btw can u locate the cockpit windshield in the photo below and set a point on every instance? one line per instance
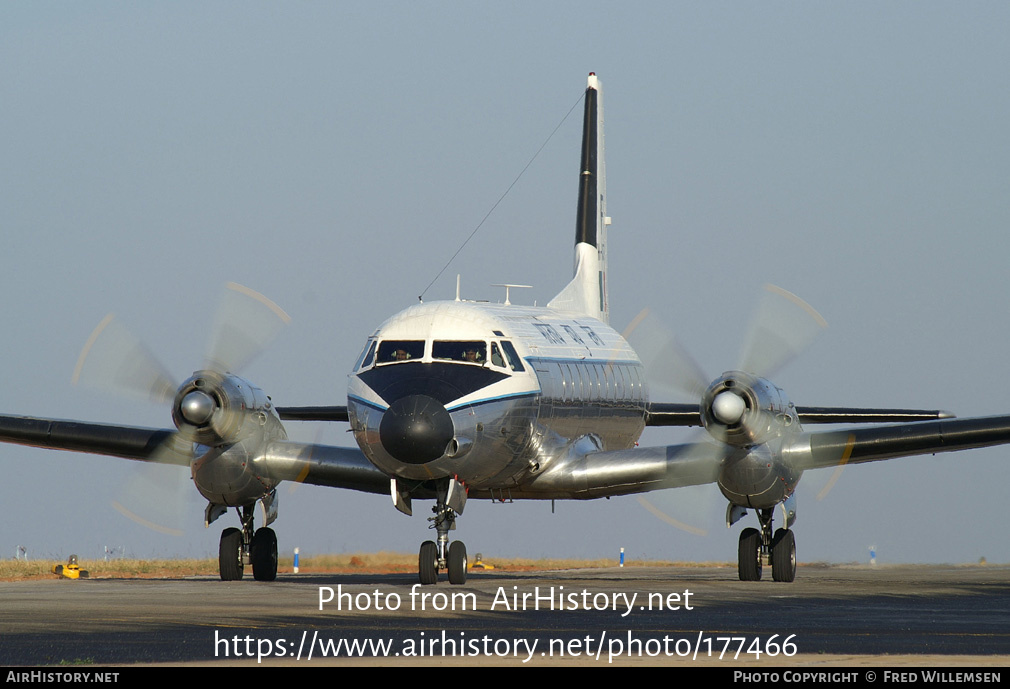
(392, 351)
(473, 352)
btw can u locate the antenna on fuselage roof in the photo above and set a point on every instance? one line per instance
(507, 286)
(420, 297)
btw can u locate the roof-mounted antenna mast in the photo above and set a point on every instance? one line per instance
(507, 287)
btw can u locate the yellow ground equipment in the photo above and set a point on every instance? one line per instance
(71, 570)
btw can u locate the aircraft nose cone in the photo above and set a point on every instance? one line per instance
(416, 429)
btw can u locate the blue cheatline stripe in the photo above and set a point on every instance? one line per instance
(527, 393)
(365, 402)
(572, 360)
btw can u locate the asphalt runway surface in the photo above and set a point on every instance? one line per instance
(850, 611)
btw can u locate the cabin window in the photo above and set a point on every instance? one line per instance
(567, 384)
(515, 363)
(394, 351)
(639, 390)
(606, 386)
(592, 386)
(578, 373)
(472, 352)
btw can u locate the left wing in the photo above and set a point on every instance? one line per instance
(331, 413)
(285, 460)
(129, 442)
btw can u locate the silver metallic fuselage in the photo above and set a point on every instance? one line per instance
(579, 379)
(505, 433)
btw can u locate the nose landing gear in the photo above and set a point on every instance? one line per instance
(435, 556)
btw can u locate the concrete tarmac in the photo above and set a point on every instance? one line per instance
(939, 614)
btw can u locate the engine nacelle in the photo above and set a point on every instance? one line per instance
(213, 409)
(743, 410)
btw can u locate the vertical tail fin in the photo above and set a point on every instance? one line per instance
(587, 292)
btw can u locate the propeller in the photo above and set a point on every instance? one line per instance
(114, 359)
(782, 327)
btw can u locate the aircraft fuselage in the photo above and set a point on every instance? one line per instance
(490, 394)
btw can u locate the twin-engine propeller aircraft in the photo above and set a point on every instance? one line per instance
(456, 399)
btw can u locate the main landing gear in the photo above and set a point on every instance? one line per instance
(240, 547)
(435, 556)
(762, 547)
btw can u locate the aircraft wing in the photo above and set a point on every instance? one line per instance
(870, 444)
(595, 474)
(333, 413)
(680, 414)
(129, 442)
(323, 465)
(622, 472)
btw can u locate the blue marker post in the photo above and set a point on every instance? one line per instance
(296, 560)
(622, 557)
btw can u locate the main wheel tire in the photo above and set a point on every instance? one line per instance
(749, 555)
(264, 555)
(784, 555)
(457, 563)
(427, 563)
(229, 559)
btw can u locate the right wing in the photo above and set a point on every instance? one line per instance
(858, 445)
(596, 474)
(585, 472)
(682, 414)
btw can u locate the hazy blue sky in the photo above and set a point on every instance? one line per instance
(333, 155)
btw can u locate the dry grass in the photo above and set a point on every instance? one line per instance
(381, 563)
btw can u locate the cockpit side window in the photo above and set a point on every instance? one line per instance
(367, 356)
(472, 352)
(515, 363)
(394, 351)
(496, 358)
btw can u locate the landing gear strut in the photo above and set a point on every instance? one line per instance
(240, 547)
(760, 547)
(435, 556)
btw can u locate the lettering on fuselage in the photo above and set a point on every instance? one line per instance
(550, 334)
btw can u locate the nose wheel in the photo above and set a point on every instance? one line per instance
(440, 554)
(429, 563)
(457, 563)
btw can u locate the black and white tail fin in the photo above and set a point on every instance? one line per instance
(587, 292)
